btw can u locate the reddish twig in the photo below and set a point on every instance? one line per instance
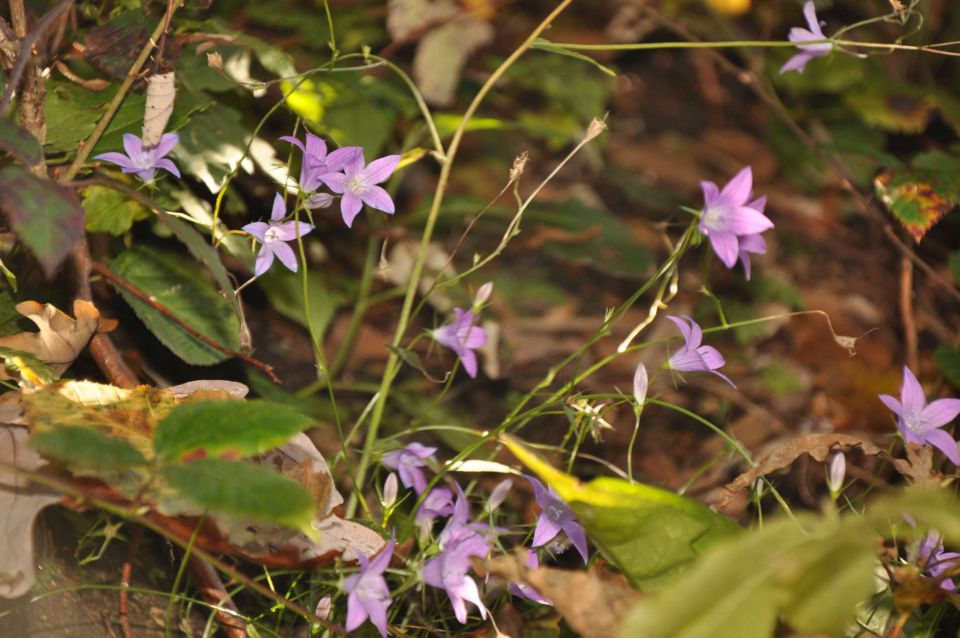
(125, 576)
(906, 314)
(213, 591)
(120, 282)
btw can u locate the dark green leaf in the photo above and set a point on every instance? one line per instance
(948, 360)
(955, 266)
(243, 490)
(284, 290)
(86, 448)
(176, 284)
(19, 143)
(219, 428)
(46, 216)
(109, 211)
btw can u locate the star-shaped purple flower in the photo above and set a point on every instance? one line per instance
(273, 237)
(693, 357)
(463, 338)
(813, 34)
(367, 592)
(438, 503)
(144, 161)
(317, 164)
(935, 561)
(407, 462)
(358, 185)
(728, 216)
(555, 516)
(448, 570)
(920, 422)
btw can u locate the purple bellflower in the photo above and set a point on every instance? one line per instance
(273, 237)
(555, 516)
(920, 422)
(935, 561)
(317, 164)
(448, 570)
(526, 591)
(407, 462)
(438, 503)
(463, 338)
(358, 185)
(693, 357)
(368, 595)
(807, 51)
(144, 161)
(729, 217)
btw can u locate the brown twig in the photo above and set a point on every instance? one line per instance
(125, 575)
(906, 313)
(120, 282)
(27, 41)
(213, 591)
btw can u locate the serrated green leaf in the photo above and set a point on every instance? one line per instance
(86, 448)
(19, 143)
(243, 490)
(181, 288)
(109, 211)
(948, 360)
(218, 428)
(650, 534)
(284, 290)
(46, 216)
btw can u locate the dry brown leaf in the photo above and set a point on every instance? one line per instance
(735, 496)
(593, 606)
(161, 92)
(20, 503)
(61, 337)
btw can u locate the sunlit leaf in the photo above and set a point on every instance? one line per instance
(235, 429)
(649, 533)
(109, 211)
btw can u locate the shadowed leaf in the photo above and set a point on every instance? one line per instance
(19, 143)
(86, 448)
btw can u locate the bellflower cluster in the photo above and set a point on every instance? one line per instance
(731, 222)
(144, 161)
(407, 462)
(345, 173)
(463, 338)
(459, 541)
(555, 516)
(807, 51)
(919, 422)
(693, 357)
(273, 237)
(935, 561)
(367, 592)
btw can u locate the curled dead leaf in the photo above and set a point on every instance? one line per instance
(61, 338)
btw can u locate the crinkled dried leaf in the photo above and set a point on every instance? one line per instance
(594, 607)
(161, 92)
(61, 337)
(20, 503)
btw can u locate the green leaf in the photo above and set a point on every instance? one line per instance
(955, 265)
(948, 360)
(921, 196)
(19, 143)
(86, 448)
(244, 490)
(284, 290)
(221, 428)
(649, 533)
(109, 211)
(26, 364)
(176, 284)
(46, 216)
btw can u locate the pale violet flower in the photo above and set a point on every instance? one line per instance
(408, 461)
(934, 561)
(920, 422)
(694, 357)
(317, 164)
(273, 237)
(357, 185)
(807, 51)
(144, 161)
(437, 504)
(463, 338)
(555, 516)
(368, 595)
(729, 216)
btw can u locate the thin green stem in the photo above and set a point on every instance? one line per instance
(547, 45)
(393, 359)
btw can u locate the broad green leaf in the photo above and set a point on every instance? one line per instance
(948, 360)
(19, 143)
(80, 447)
(173, 282)
(649, 533)
(46, 216)
(284, 290)
(226, 428)
(212, 145)
(109, 211)
(244, 490)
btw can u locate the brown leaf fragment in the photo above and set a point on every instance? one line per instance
(735, 495)
(594, 606)
(20, 504)
(61, 337)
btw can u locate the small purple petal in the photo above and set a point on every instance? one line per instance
(684, 327)
(469, 360)
(376, 197)
(133, 145)
(286, 255)
(545, 531)
(264, 261)
(279, 209)
(739, 188)
(257, 229)
(116, 158)
(294, 141)
(166, 144)
(350, 205)
(288, 231)
(167, 165)
(337, 182)
(892, 403)
(940, 412)
(379, 170)
(942, 440)
(578, 538)
(726, 247)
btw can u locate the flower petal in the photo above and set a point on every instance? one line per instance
(687, 360)
(682, 324)
(257, 229)
(115, 158)
(350, 205)
(739, 188)
(911, 392)
(319, 200)
(279, 210)
(376, 197)
(288, 231)
(264, 261)
(578, 538)
(379, 170)
(356, 614)
(340, 157)
(294, 141)
(892, 403)
(167, 165)
(133, 145)
(469, 360)
(286, 255)
(711, 357)
(545, 531)
(940, 412)
(810, 13)
(711, 193)
(942, 440)
(316, 148)
(382, 560)
(748, 221)
(377, 612)
(796, 63)
(165, 145)
(337, 182)
(726, 246)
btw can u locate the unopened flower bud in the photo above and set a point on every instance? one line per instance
(838, 470)
(390, 489)
(323, 607)
(640, 383)
(498, 494)
(483, 294)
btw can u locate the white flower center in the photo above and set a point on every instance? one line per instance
(357, 184)
(368, 588)
(913, 421)
(712, 217)
(272, 235)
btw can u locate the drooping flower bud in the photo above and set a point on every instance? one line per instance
(498, 494)
(390, 489)
(483, 295)
(838, 470)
